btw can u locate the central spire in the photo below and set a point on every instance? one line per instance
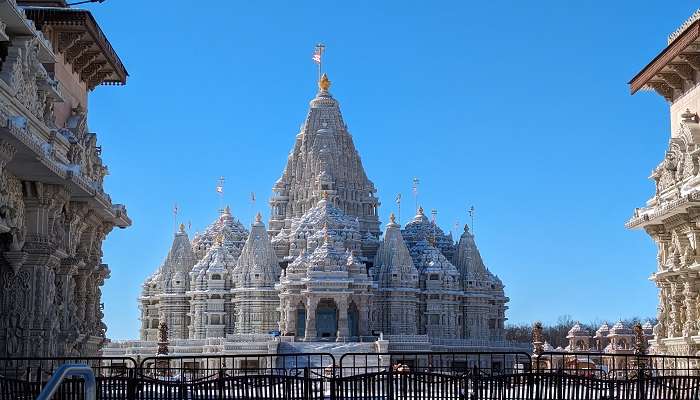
(325, 165)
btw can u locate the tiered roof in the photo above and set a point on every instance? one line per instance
(257, 265)
(393, 262)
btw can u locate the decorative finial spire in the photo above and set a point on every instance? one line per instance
(324, 195)
(324, 83)
(258, 218)
(420, 210)
(182, 228)
(392, 218)
(227, 210)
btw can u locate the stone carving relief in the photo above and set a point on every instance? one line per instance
(83, 152)
(28, 78)
(681, 160)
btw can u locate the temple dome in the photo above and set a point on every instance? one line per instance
(433, 265)
(216, 264)
(577, 331)
(422, 228)
(233, 232)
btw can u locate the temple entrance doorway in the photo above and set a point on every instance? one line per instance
(326, 319)
(353, 320)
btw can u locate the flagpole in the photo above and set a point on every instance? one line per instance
(398, 201)
(175, 218)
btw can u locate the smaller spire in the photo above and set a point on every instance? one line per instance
(182, 228)
(258, 218)
(324, 83)
(227, 210)
(392, 218)
(420, 210)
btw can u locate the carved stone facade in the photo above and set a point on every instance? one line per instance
(672, 216)
(54, 213)
(322, 272)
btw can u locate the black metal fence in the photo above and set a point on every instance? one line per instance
(400, 376)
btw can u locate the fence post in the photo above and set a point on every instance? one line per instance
(390, 381)
(641, 395)
(307, 383)
(131, 383)
(220, 383)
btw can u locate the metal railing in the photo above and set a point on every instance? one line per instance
(71, 370)
(394, 376)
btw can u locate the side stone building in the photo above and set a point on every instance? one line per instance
(322, 271)
(671, 216)
(54, 212)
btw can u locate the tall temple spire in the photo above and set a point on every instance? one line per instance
(324, 162)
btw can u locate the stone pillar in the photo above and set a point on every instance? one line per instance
(343, 328)
(310, 331)
(65, 293)
(676, 308)
(690, 303)
(363, 310)
(44, 238)
(290, 318)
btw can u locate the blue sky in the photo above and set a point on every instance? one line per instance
(519, 108)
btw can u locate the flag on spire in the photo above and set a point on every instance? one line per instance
(318, 52)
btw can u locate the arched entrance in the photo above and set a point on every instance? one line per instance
(353, 320)
(326, 319)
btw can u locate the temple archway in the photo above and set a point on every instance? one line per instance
(326, 319)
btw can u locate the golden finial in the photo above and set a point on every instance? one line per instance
(182, 228)
(420, 210)
(392, 218)
(324, 195)
(258, 218)
(324, 83)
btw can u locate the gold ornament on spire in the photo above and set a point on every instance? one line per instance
(219, 240)
(182, 228)
(258, 218)
(227, 210)
(324, 83)
(392, 218)
(420, 210)
(324, 195)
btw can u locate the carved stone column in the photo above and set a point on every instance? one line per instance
(676, 308)
(310, 331)
(65, 292)
(343, 328)
(364, 310)
(690, 303)
(45, 234)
